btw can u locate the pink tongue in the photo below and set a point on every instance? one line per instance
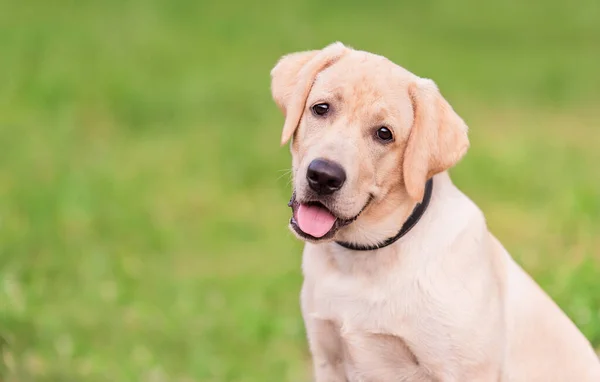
(314, 220)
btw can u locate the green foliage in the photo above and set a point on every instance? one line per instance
(143, 191)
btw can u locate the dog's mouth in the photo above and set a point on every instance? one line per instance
(312, 220)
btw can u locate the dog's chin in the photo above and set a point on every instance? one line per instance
(329, 235)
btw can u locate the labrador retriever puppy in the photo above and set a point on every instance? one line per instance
(402, 279)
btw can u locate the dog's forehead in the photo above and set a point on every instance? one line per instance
(361, 74)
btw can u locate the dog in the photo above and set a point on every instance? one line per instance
(402, 279)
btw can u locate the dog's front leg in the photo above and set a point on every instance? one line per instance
(324, 342)
(326, 348)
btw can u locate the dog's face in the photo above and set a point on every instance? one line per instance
(367, 134)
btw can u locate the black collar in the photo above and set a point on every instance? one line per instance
(412, 220)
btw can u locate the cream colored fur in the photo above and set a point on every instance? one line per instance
(444, 303)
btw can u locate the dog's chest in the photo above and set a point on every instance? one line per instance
(373, 320)
(359, 299)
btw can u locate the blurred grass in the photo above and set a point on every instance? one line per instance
(143, 192)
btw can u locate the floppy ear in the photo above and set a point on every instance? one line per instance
(292, 79)
(438, 138)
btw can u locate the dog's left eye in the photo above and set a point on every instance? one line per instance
(320, 109)
(384, 134)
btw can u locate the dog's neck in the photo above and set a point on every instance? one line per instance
(387, 222)
(408, 224)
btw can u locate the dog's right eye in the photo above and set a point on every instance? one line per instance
(320, 109)
(384, 134)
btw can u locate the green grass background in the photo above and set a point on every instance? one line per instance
(143, 191)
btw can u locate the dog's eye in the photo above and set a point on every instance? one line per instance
(320, 109)
(384, 134)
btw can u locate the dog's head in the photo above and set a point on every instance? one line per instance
(366, 136)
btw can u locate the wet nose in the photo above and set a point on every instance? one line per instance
(325, 177)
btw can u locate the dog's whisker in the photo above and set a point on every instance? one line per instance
(285, 172)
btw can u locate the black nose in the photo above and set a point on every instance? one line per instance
(325, 177)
